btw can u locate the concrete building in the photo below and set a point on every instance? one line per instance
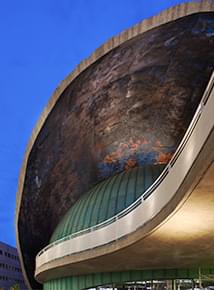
(10, 269)
(117, 184)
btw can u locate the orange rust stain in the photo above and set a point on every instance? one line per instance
(134, 146)
(164, 158)
(111, 158)
(130, 164)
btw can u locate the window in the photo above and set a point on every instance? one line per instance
(4, 278)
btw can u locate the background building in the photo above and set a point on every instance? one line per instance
(10, 269)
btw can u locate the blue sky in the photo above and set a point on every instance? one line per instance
(41, 42)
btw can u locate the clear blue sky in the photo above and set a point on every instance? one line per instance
(41, 41)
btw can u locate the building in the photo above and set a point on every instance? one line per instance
(10, 269)
(116, 188)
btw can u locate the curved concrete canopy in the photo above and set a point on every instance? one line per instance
(66, 257)
(163, 68)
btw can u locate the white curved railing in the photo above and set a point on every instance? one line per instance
(152, 200)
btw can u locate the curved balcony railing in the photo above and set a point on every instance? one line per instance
(143, 198)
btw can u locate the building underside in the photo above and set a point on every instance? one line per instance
(117, 181)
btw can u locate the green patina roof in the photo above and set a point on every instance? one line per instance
(106, 199)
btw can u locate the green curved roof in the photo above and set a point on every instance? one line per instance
(106, 199)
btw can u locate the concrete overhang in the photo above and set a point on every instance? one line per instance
(180, 236)
(31, 238)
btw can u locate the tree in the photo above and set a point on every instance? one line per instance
(15, 287)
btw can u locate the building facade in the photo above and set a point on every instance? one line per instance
(116, 188)
(10, 269)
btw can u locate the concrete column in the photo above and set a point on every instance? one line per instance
(169, 284)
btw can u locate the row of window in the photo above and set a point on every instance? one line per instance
(9, 267)
(9, 255)
(4, 278)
